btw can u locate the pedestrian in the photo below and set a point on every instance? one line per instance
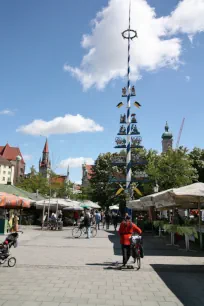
(108, 218)
(115, 220)
(76, 217)
(98, 219)
(103, 218)
(127, 228)
(87, 223)
(59, 215)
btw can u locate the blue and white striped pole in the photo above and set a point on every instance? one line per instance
(128, 159)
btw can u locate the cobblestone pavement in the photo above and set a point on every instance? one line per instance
(55, 270)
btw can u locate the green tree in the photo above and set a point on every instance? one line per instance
(103, 191)
(197, 157)
(35, 182)
(171, 169)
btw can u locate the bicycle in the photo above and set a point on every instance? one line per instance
(136, 246)
(80, 230)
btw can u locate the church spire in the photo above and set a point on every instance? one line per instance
(167, 139)
(46, 150)
(44, 163)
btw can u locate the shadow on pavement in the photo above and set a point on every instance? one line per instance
(114, 238)
(153, 246)
(185, 281)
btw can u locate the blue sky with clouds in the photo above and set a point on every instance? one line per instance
(63, 64)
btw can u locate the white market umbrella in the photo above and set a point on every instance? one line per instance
(114, 207)
(74, 205)
(90, 204)
(53, 202)
(136, 205)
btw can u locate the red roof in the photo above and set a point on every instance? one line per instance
(59, 179)
(46, 150)
(10, 153)
(90, 170)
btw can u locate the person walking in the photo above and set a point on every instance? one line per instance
(127, 228)
(103, 218)
(98, 219)
(107, 218)
(87, 223)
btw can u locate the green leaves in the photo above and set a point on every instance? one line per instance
(172, 169)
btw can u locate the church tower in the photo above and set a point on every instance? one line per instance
(167, 139)
(44, 163)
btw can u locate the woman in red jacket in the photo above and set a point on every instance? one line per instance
(127, 228)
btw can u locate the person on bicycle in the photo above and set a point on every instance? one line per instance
(127, 228)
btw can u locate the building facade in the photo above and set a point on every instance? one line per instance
(7, 171)
(14, 156)
(167, 139)
(44, 162)
(87, 171)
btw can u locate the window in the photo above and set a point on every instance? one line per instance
(4, 172)
(3, 178)
(9, 171)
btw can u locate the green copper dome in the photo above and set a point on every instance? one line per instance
(167, 134)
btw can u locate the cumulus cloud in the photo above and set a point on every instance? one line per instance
(156, 47)
(27, 157)
(7, 112)
(188, 17)
(61, 125)
(75, 162)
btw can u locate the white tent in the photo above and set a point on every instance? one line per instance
(54, 202)
(90, 204)
(114, 207)
(136, 205)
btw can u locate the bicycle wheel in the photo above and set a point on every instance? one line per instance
(138, 262)
(76, 232)
(93, 232)
(11, 262)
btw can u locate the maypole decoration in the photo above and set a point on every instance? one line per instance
(129, 136)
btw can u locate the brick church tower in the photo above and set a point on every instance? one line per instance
(44, 163)
(167, 139)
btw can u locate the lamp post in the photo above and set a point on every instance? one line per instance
(18, 159)
(156, 190)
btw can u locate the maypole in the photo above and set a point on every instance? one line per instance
(130, 135)
(128, 160)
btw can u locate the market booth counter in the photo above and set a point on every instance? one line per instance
(10, 206)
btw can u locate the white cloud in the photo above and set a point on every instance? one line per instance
(78, 182)
(188, 78)
(188, 17)
(61, 125)
(75, 162)
(106, 51)
(27, 157)
(7, 112)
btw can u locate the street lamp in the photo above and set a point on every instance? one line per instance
(156, 188)
(18, 159)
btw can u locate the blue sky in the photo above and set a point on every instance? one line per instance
(42, 39)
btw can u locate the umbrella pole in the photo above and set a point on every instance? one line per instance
(200, 232)
(43, 216)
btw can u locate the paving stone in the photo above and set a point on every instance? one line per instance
(50, 304)
(31, 303)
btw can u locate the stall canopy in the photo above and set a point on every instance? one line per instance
(10, 189)
(90, 204)
(152, 199)
(137, 205)
(183, 197)
(12, 201)
(75, 206)
(54, 202)
(114, 207)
